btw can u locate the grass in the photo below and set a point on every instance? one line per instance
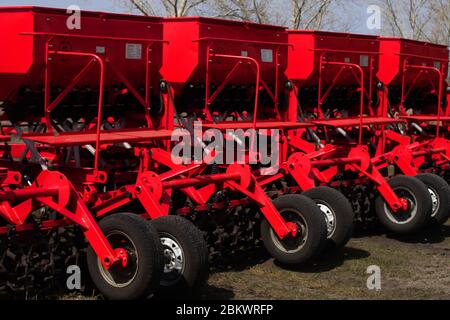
(412, 268)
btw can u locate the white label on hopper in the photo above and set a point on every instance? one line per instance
(266, 55)
(100, 50)
(134, 51)
(364, 61)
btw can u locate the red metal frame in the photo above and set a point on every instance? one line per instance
(439, 93)
(350, 157)
(154, 176)
(95, 58)
(409, 157)
(150, 187)
(209, 99)
(53, 190)
(360, 82)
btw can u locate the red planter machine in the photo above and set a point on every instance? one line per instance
(343, 90)
(88, 125)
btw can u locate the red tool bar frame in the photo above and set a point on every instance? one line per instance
(425, 118)
(25, 194)
(107, 137)
(352, 122)
(201, 181)
(259, 126)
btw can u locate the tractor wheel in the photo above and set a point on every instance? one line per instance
(418, 213)
(312, 231)
(440, 197)
(141, 277)
(185, 255)
(338, 213)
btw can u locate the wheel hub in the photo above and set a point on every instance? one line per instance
(406, 204)
(434, 201)
(329, 218)
(173, 255)
(408, 212)
(122, 255)
(291, 243)
(120, 275)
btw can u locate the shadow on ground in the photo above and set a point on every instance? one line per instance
(241, 261)
(431, 235)
(210, 292)
(329, 260)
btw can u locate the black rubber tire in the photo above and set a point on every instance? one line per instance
(441, 213)
(421, 198)
(296, 206)
(149, 264)
(194, 250)
(339, 233)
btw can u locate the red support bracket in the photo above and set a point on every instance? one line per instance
(53, 190)
(299, 167)
(250, 187)
(403, 157)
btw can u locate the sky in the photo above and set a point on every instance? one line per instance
(358, 9)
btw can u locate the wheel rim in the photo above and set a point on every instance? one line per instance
(403, 217)
(290, 244)
(118, 276)
(174, 261)
(435, 201)
(330, 218)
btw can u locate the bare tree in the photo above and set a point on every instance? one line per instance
(440, 30)
(426, 20)
(143, 6)
(309, 14)
(169, 8)
(304, 14)
(245, 10)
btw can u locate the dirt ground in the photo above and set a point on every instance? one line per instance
(411, 268)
